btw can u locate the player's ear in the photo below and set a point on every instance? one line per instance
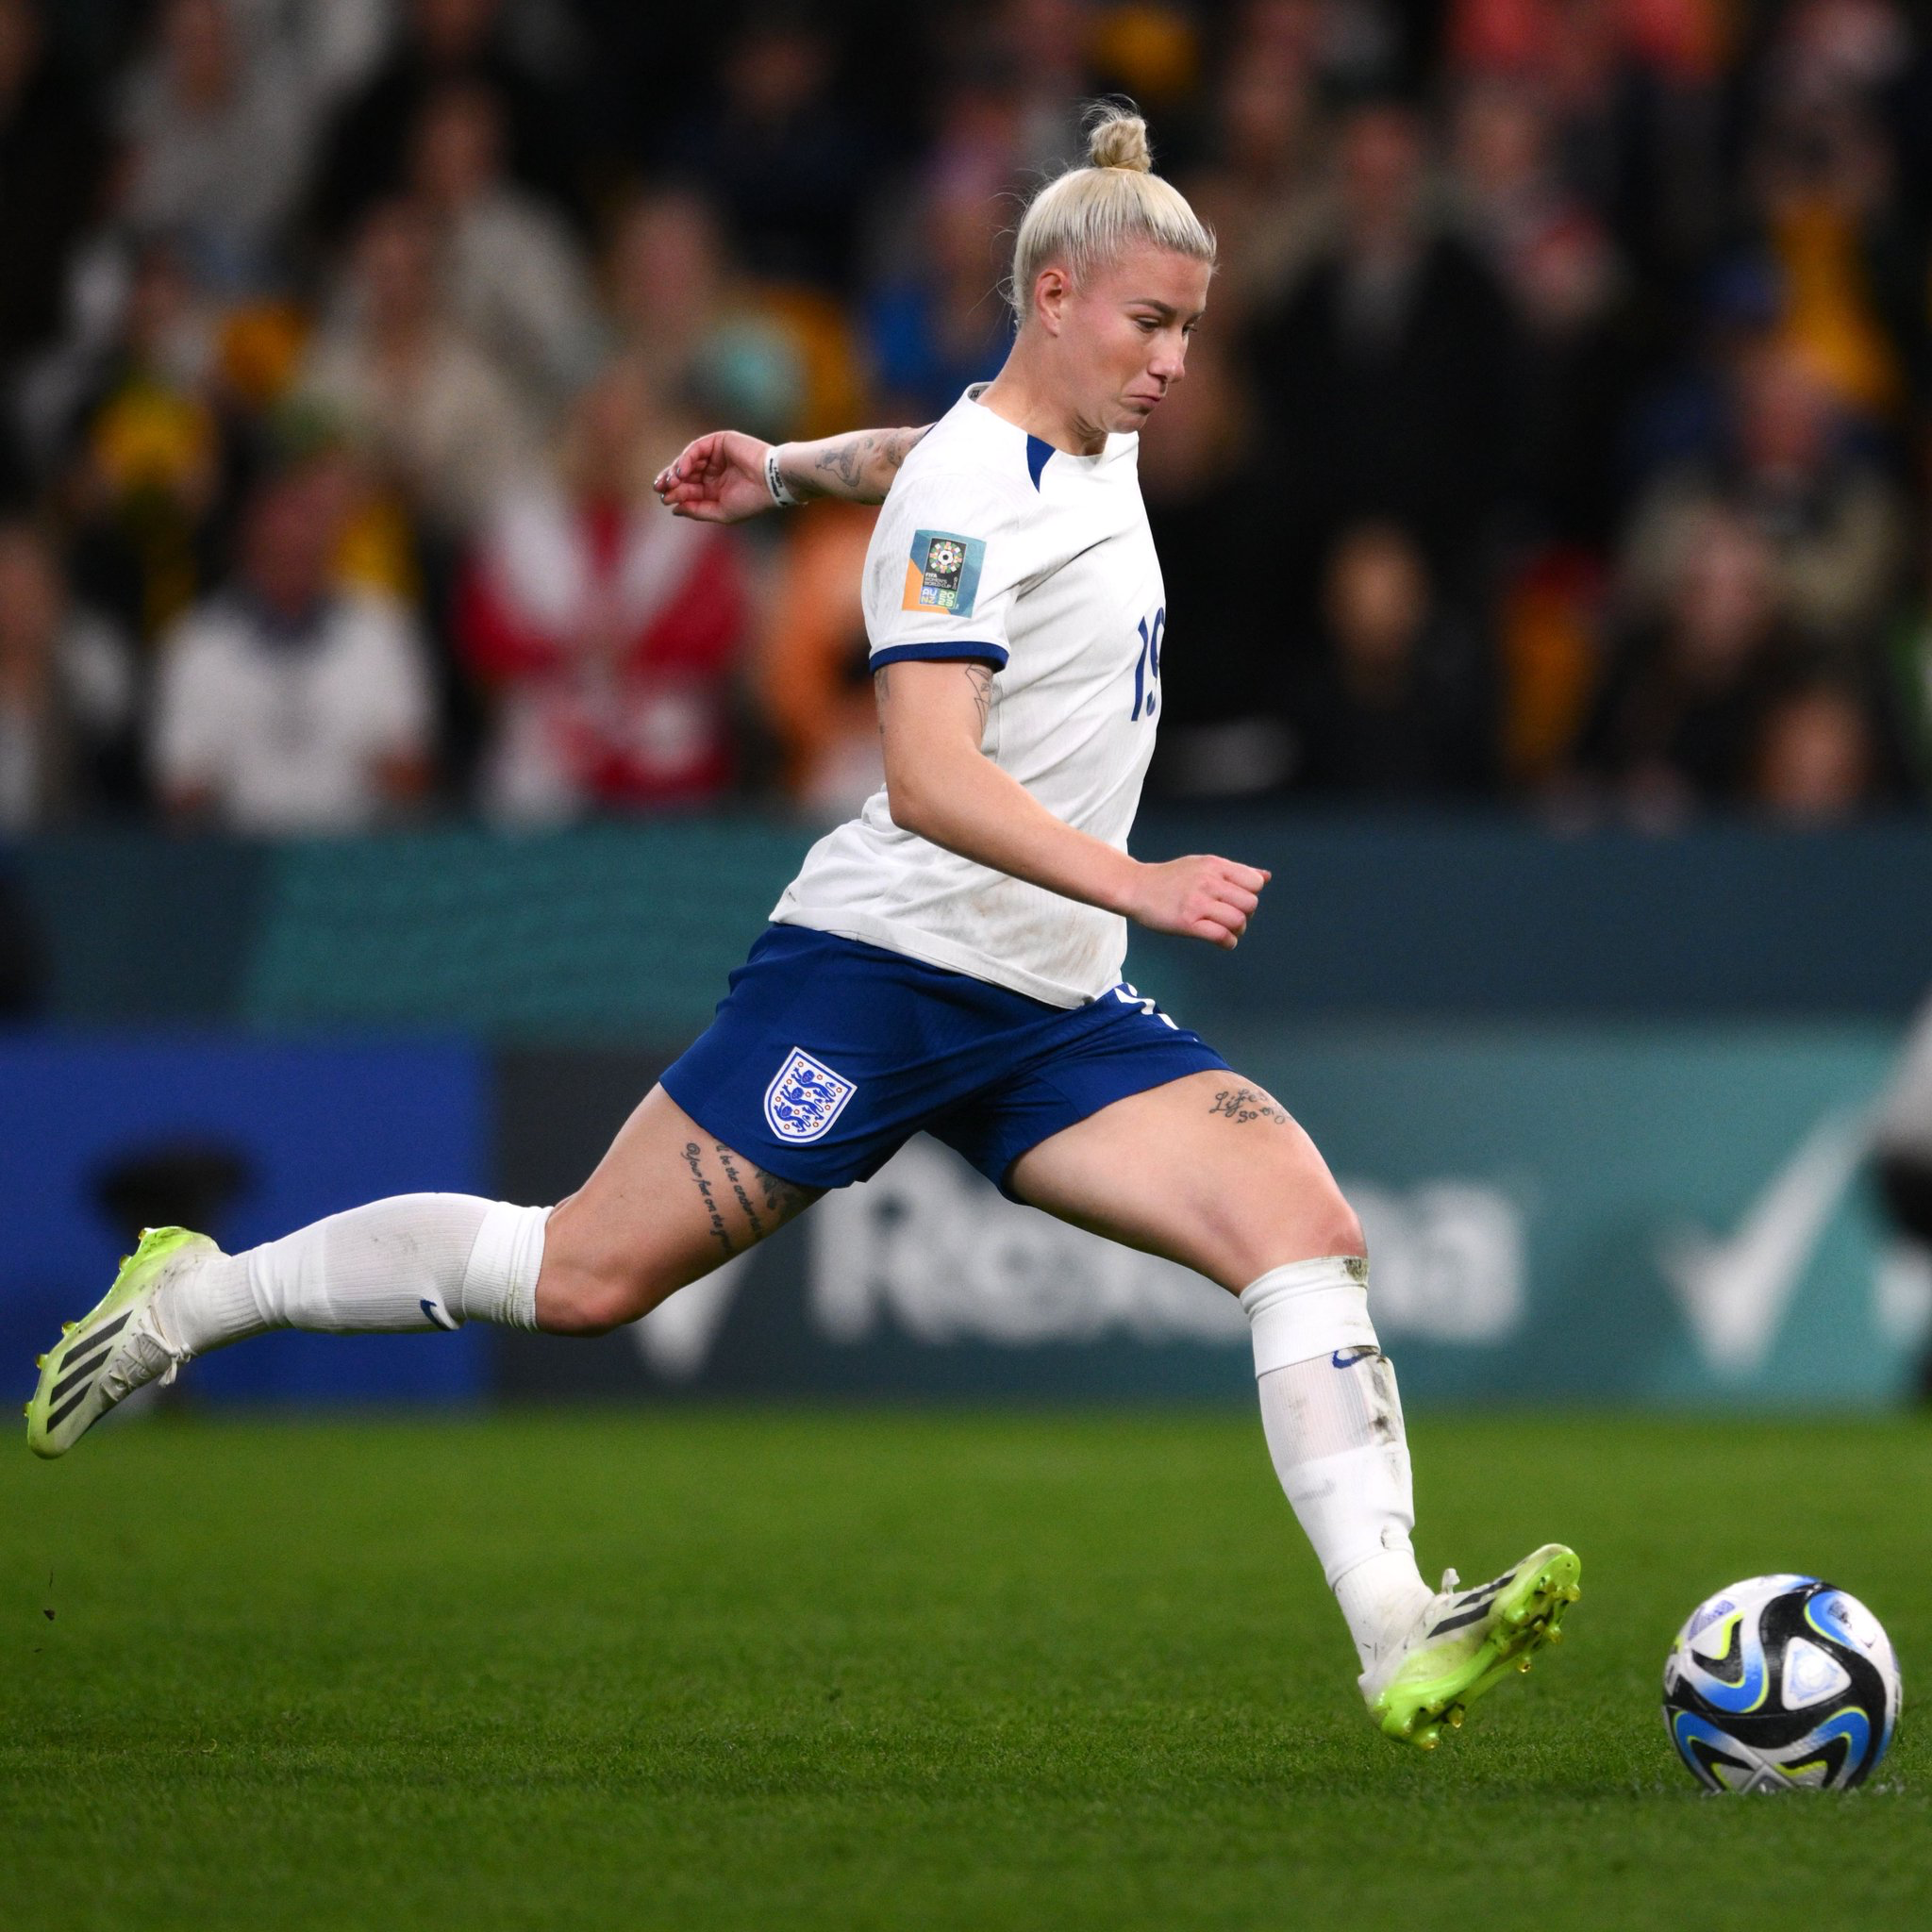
(1052, 288)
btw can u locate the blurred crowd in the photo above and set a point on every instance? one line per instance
(1560, 436)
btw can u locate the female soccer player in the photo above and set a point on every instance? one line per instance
(950, 960)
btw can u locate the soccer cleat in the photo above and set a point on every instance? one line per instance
(116, 1348)
(1466, 1641)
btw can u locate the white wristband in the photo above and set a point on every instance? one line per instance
(775, 483)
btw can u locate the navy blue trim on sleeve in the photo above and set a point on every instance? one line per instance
(1037, 450)
(962, 650)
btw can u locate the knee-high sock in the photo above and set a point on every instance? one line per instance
(1333, 1419)
(413, 1261)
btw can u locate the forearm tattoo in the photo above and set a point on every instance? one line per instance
(776, 1200)
(865, 454)
(1241, 1104)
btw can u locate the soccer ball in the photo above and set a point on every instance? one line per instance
(1781, 1681)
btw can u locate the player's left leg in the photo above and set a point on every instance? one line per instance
(1209, 1171)
(666, 1204)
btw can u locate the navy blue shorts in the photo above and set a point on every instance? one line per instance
(828, 1055)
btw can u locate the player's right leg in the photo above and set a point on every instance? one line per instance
(667, 1204)
(1211, 1172)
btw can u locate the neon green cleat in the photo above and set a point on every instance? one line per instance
(114, 1349)
(1466, 1641)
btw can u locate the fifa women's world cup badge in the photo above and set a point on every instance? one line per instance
(943, 575)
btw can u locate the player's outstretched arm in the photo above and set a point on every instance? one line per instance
(942, 786)
(727, 476)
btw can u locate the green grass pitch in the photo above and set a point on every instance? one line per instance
(715, 1669)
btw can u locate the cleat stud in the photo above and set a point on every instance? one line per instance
(68, 1327)
(1555, 1634)
(1456, 1717)
(39, 1361)
(1522, 1665)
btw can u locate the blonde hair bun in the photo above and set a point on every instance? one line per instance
(1087, 215)
(1117, 137)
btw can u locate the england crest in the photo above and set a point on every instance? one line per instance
(804, 1098)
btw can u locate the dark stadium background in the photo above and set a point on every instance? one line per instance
(1546, 522)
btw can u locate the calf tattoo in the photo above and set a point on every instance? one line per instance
(1241, 1103)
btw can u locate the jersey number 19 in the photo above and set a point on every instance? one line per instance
(1148, 666)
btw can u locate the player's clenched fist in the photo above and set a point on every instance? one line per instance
(1201, 897)
(718, 480)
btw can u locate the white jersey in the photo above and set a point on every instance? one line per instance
(996, 546)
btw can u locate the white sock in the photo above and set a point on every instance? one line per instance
(413, 1262)
(1333, 1419)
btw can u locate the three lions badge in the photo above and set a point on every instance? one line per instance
(804, 1098)
(943, 574)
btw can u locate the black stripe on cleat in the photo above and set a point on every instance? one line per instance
(65, 1411)
(106, 1332)
(81, 1372)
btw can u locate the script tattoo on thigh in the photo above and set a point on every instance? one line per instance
(694, 1158)
(1241, 1103)
(751, 1213)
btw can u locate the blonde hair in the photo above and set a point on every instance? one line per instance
(1087, 215)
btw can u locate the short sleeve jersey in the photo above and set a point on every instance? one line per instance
(995, 547)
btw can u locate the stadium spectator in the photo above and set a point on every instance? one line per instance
(1828, 221)
(145, 458)
(1398, 703)
(1678, 719)
(609, 634)
(1047, 46)
(67, 696)
(52, 156)
(813, 677)
(1259, 190)
(684, 316)
(284, 704)
(785, 161)
(363, 154)
(1391, 377)
(415, 391)
(943, 325)
(1225, 669)
(518, 280)
(216, 130)
(1555, 258)
(1789, 467)
(1818, 760)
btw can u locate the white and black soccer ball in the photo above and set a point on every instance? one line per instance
(1781, 1682)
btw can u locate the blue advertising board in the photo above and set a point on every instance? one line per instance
(246, 1138)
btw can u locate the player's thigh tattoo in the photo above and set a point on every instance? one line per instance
(1243, 1103)
(741, 1201)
